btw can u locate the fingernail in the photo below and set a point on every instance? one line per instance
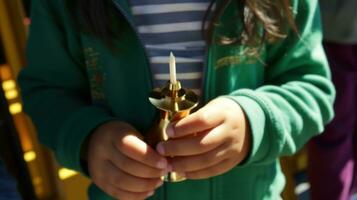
(160, 149)
(150, 194)
(170, 131)
(162, 164)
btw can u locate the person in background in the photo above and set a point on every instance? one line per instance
(259, 68)
(333, 155)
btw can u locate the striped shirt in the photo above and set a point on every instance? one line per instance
(174, 25)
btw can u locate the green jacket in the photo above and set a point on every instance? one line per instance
(73, 83)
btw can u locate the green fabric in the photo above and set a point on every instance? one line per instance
(73, 83)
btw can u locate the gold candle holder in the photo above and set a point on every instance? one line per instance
(173, 103)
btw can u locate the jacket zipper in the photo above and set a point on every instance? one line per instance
(204, 76)
(132, 25)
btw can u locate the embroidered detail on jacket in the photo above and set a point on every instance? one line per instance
(248, 56)
(95, 75)
(234, 60)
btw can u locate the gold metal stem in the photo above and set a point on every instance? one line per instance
(174, 103)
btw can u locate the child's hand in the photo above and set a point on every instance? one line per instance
(209, 142)
(121, 164)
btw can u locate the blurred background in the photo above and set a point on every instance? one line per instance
(37, 174)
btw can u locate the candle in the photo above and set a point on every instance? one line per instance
(172, 69)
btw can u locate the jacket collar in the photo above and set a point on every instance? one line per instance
(123, 6)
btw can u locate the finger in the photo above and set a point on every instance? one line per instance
(199, 162)
(187, 146)
(126, 195)
(215, 170)
(202, 120)
(134, 167)
(128, 182)
(136, 149)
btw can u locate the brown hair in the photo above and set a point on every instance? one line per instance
(262, 20)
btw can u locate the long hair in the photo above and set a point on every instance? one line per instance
(262, 20)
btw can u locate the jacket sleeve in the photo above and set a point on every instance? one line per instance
(55, 89)
(296, 101)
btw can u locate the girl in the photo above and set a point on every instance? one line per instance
(265, 91)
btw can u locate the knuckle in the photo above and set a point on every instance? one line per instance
(228, 112)
(230, 137)
(235, 152)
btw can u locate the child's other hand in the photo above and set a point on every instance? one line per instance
(209, 142)
(121, 164)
